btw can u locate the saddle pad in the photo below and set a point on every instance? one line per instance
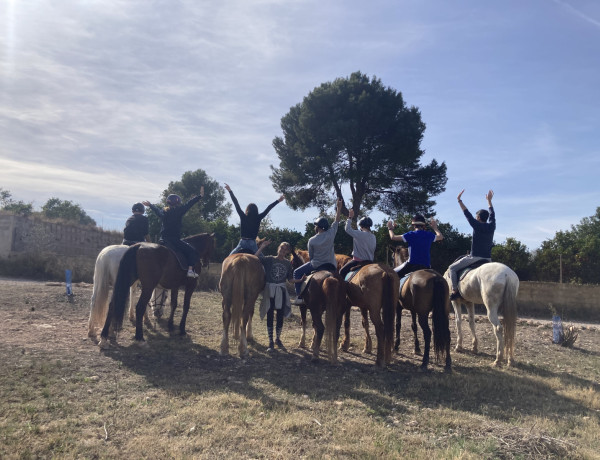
(403, 281)
(462, 273)
(352, 273)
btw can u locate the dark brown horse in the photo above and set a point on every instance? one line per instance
(423, 292)
(242, 279)
(374, 289)
(153, 265)
(325, 292)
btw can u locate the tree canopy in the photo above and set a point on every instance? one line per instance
(355, 132)
(56, 208)
(16, 207)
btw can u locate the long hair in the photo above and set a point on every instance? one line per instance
(252, 210)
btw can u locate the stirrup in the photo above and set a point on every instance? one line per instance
(192, 274)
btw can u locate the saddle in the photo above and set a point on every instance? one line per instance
(462, 273)
(179, 256)
(304, 283)
(354, 270)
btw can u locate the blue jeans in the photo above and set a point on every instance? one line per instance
(300, 272)
(249, 245)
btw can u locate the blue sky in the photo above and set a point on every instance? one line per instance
(105, 102)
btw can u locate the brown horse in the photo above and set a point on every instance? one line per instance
(325, 292)
(154, 265)
(374, 289)
(423, 292)
(242, 279)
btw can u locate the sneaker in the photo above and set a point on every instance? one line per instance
(298, 301)
(455, 295)
(192, 274)
(271, 347)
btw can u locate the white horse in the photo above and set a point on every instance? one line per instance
(495, 286)
(105, 274)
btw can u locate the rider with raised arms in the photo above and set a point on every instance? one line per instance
(484, 225)
(171, 218)
(320, 250)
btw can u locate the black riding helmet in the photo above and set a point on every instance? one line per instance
(173, 200)
(138, 207)
(323, 223)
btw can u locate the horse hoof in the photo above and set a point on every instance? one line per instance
(423, 368)
(141, 343)
(447, 370)
(496, 364)
(104, 344)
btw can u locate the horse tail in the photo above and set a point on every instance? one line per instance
(509, 315)
(99, 302)
(389, 309)
(126, 275)
(441, 323)
(238, 298)
(334, 291)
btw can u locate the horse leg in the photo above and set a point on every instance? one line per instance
(458, 320)
(398, 326)
(249, 333)
(345, 345)
(498, 332)
(424, 323)
(132, 303)
(319, 329)
(471, 311)
(243, 342)
(140, 309)
(302, 343)
(226, 321)
(414, 329)
(190, 286)
(174, 293)
(365, 322)
(378, 323)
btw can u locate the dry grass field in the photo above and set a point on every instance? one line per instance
(61, 397)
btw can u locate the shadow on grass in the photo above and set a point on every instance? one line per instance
(179, 365)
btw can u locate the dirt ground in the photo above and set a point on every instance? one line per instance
(39, 324)
(39, 319)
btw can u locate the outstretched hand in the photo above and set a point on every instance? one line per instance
(489, 197)
(281, 198)
(146, 203)
(202, 191)
(460, 194)
(350, 213)
(391, 225)
(228, 188)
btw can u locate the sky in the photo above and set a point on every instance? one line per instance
(105, 102)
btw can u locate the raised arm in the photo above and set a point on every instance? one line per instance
(338, 213)
(460, 203)
(271, 206)
(235, 201)
(391, 225)
(438, 234)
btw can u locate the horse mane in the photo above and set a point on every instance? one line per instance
(204, 244)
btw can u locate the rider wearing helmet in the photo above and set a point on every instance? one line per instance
(419, 244)
(249, 223)
(484, 225)
(171, 222)
(136, 227)
(320, 250)
(363, 243)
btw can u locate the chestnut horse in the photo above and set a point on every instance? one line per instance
(325, 292)
(242, 279)
(374, 289)
(494, 285)
(154, 265)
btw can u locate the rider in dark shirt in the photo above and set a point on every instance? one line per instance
(170, 232)
(249, 223)
(484, 225)
(136, 227)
